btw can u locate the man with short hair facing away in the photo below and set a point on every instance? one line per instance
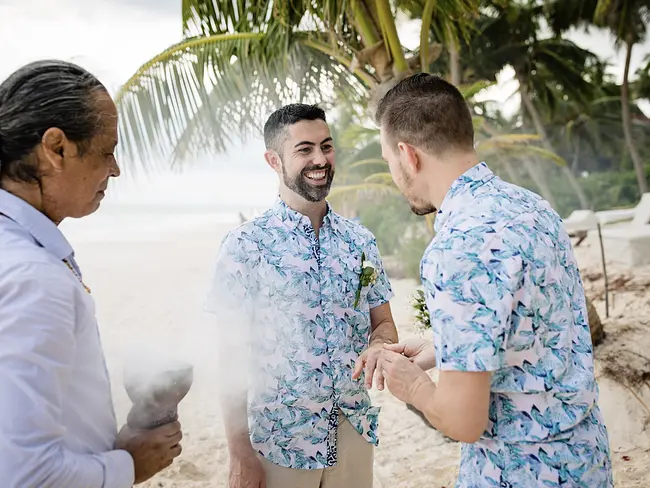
(58, 133)
(507, 307)
(302, 303)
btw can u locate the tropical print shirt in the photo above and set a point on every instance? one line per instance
(295, 294)
(505, 295)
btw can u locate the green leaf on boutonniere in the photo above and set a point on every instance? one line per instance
(367, 277)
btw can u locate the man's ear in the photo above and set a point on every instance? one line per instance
(54, 145)
(410, 157)
(273, 160)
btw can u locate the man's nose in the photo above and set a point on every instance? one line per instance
(320, 159)
(115, 169)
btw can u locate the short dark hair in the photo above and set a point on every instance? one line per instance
(428, 112)
(276, 125)
(37, 97)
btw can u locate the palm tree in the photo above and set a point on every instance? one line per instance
(590, 134)
(642, 83)
(545, 68)
(240, 60)
(628, 21)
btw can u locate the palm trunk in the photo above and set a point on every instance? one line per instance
(365, 23)
(540, 181)
(391, 38)
(576, 157)
(454, 59)
(539, 128)
(627, 123)
(427, 16)
(512, 173)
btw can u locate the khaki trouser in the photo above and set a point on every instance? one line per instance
(353, 468)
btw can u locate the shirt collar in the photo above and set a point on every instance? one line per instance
(293, 218)
(464, 185)
(41, 228)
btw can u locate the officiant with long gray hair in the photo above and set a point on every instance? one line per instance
(58, 134)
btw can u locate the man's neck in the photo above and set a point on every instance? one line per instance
(447, 172)
(314, 211)
(29, 193)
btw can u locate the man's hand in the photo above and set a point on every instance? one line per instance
(403, 378)
(367, 363)
(152, 450)
(246, 472)
(419, 351)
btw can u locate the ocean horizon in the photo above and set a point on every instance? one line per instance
(151, 221)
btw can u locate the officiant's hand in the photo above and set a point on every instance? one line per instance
(152, 450)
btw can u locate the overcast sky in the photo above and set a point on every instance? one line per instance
(113, 38)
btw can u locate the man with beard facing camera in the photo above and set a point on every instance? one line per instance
(302, 303)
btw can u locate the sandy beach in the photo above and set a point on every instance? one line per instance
(149, 292)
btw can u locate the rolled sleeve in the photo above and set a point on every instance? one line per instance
(470, 298)
(37, 347)
(381, 291)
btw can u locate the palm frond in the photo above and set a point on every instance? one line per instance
(381, 178)
(507, 140)
(204, 93)
(368, 162)
(521, 151)
(363, 190)
(470, 91)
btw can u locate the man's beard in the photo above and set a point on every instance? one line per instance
(423, 210)
(300, 184)
(418, 208)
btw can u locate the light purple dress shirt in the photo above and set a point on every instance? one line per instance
(57, 423)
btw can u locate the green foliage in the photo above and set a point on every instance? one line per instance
(410, 255)
(388, 219)
(606, 189)
(421, 312)
(611, 189)
(399, 232)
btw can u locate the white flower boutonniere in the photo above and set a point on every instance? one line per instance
(367, 277)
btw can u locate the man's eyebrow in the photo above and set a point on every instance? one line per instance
(305, 143)
(309, 143)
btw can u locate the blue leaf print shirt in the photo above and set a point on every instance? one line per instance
(505, 295)
(295, 293)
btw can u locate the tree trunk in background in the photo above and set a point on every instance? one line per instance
(510, 170)
(540, 181)
(595, 325)
(576, 157)
(627, 124)
(539, 128)
(454, 61)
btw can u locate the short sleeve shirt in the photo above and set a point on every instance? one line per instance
(504, 294)
(295, 294)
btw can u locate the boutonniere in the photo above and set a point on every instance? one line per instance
(367, 277)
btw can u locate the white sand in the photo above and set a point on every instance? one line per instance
(152, 293)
